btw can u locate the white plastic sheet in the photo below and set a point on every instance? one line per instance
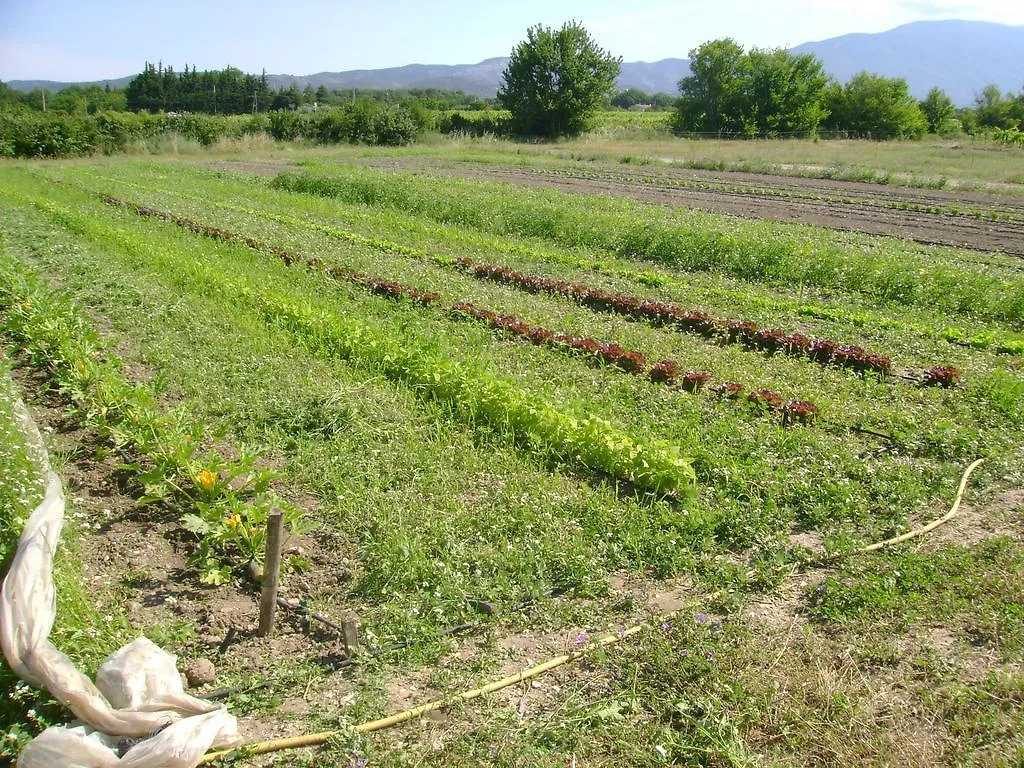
(138, 690)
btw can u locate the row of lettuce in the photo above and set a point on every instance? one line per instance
(1003, 341)
(475, 394)
(666, 372)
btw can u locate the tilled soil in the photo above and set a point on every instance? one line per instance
(976, 220)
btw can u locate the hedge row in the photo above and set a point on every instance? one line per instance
(35, 134)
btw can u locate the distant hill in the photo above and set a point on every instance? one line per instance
(658, 77)
(54, 86)
(481, 79)
(961, 57)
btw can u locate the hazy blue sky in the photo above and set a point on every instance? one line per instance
(92, 40)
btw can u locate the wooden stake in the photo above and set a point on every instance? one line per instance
(271, 572)
(350, 635)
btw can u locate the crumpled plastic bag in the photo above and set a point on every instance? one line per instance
(181, 745)
(143, 676)
(139, 692)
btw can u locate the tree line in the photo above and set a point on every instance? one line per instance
(760, 92)
(556, 79)
(229, 91)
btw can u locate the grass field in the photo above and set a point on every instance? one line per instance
(642, 138)
(205, 343)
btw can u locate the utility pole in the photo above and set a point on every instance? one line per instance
(44, 99)
(254, 101)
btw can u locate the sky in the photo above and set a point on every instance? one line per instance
(81, 40)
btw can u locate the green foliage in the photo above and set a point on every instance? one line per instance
(939, 111)
(34, 134)
(762, 93)
(992, 110)
(895, 590)
(231, 499)
(694, 245)
(229, 91)
(555, 81)
(875, 107)
(1011, 137)
(712, 97)
(366, 123)
(786, 93)
(481, 123)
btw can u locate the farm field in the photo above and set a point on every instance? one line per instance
(537, 399)
(983, 221)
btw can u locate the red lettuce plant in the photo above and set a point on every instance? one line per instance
(729, 390)
(799, 411)
(942, 375)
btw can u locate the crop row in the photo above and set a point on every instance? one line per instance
(377, 285)
(228, 501)
(1000, 342)
(631, 361)
(683, 240)
(662, 313)
(763, 191)
(472, 392)
(664, 372)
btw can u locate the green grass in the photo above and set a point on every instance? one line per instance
(89, 626)
(428, 499)
(720, 295)
(682, 239)
(978, 585)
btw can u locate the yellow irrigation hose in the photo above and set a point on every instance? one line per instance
(315, 739)
(932, 525)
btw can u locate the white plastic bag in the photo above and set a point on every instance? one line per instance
(140, 691)
(181, 745)
(143, 676)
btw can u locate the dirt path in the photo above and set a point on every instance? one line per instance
(859, 207)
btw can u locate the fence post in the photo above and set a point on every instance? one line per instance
(271, 572)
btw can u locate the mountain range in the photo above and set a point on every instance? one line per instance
(961, 57)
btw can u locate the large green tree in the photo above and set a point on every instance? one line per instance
(556, 80)
(785, 93)
(877, 107)
(712, 97)
(939, 111)
(763, 92)
(992, 109)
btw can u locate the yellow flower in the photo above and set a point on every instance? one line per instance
(206, 479)
(80, 366)
(233, 521)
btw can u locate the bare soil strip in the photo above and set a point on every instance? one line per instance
(818, 203)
